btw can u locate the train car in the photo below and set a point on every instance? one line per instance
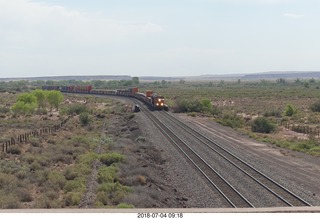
(152, 99)
(50, 87)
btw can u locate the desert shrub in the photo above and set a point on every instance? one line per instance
(77, 109)
(70, 173)
(4, 110)
(112, 193)
(315, 151)
(40, 177)
(273, 112)
(35, 142)
(35, 166)
(315, 107)
(25, 196)
(110, 158)
(9, 201)
(73, 198)
(141, 180)
(262, 125)
(140, 138)
(185, 106)
(45, 202)
(10, 166)
(125, 205)
(290, 110)
(79, 140)
(230, 119)
(14, 150)
(64, 158)
(87, 158)
(84, 118)
(193, 114)
(107, 174)
(57, 178)
(130, 116)
(75, 185)
(52, 194)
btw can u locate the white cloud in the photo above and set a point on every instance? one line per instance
(292, 15)
(33, 23)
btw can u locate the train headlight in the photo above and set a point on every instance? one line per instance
(161, 104)
(157, 104)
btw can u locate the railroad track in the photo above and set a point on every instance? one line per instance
(233, 197)
(280, 192)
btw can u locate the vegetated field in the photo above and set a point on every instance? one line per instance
(289, 107)
(51, 170)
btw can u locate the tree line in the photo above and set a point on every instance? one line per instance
(27, 103)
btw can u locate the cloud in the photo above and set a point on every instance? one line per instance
(292, 15)
(34, 23)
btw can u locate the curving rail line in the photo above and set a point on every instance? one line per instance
(230, 194)
(283, 194)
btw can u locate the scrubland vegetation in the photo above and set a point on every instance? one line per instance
(51, 170)
(281, 111)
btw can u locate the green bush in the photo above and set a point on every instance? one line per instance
(290, 110)
(185, 106)
(77, 109)
(315, 107)
(107, 174)
(262, 125)
(110, 158)
(14, 150)
(112, 193)
(74, 185)
(124, 205)
(73, 198)
(70, 173)
(231, 120)
(84, 118)
(273, 112)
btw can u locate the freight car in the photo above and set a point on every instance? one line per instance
(153, 100)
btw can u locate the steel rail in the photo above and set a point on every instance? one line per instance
(170, 133)
(188, 128)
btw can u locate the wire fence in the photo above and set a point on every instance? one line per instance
(303, 129)
(23, 138)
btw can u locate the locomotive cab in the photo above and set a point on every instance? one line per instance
(157, 101)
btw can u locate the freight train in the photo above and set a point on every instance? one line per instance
(153, 100)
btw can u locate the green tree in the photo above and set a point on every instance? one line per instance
(135, 81)
(26, 104)
(55, 98)
(27, 98)
(206, 105)
(41, 97)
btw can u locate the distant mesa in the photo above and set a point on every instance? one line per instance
(242, 76)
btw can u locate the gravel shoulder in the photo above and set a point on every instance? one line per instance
(161, 177)
(297, 171)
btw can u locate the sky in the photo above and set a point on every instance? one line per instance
(157, 37)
